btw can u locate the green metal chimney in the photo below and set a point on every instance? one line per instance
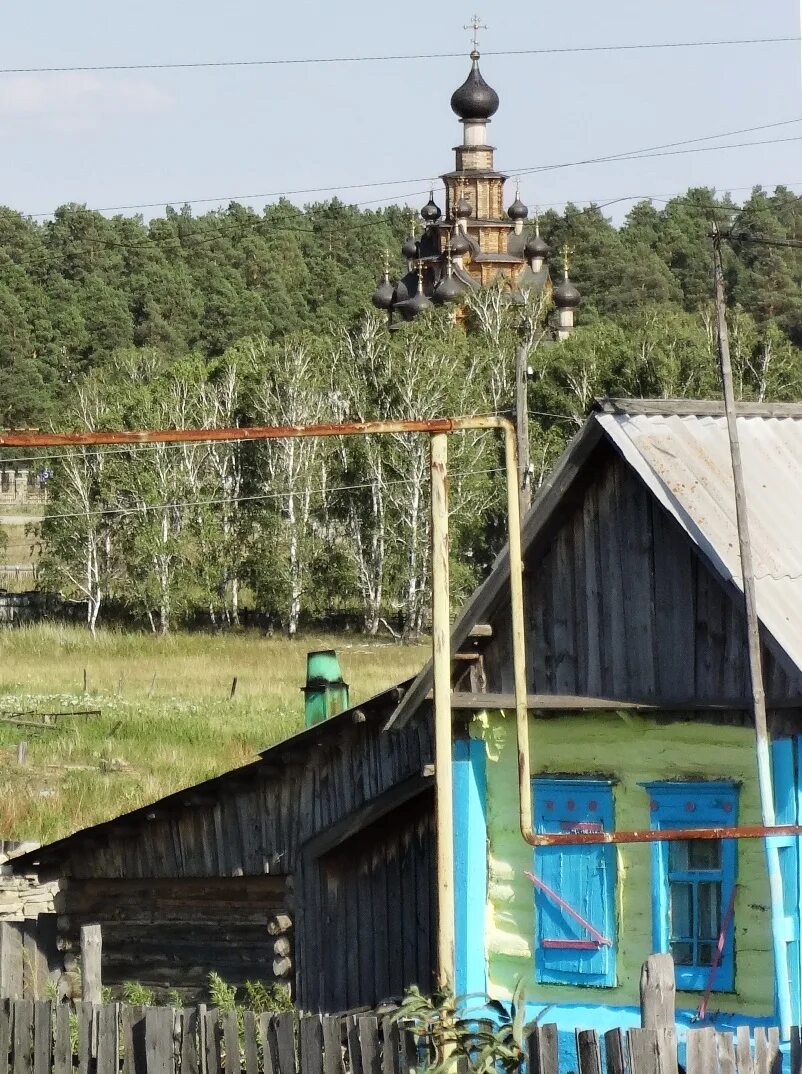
(325, 693)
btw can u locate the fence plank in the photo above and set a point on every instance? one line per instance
(743, 1050)
(211, 1041)
(34, 972)
(62, 1047)
(108, 1041)
(5, 1034)
(159, 1051)
(10, 960)
(86, 1018)
(369, 1044)
(231, 1042)
(587, 1051)
(189, 1040)
(266, 1035)
(22, 1015)
(761, 1051)
(702, 1056)
(43, 1036)
(132, 1037)
(284, 1029)
(354, 1047)
(543, 1049)
(796, 1051)
(775, 1055)
(643, 1054)
(390, 1043)
(251, 1044)
(333, 1045)
(614, 1049)
(726, 1053)
(409, 1051)
(310, 1044)
(91, 949)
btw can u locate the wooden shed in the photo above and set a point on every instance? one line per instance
(287, 869)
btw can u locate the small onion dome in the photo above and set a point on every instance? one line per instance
(431, 211)
(536, 247)
(463, 209)
(448, 289)
(459, 243)
(417, 304)
(566, 296)
(382, 297)
(474, 99)
(517, 211)
(410, 248)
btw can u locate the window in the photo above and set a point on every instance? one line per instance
(694, 883)
(574, 885)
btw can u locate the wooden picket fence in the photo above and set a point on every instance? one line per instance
(44, 1037)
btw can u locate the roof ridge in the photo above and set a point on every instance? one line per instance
(694, 408)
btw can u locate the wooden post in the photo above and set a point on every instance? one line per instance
(22, 753)
(522, 426)
(91, 949)
(657, 1008)
(10, 960)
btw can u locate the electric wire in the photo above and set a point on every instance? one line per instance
(180, 504)
(291, 61)
(624, 155)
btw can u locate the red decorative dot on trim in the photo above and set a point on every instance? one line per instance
(549, 805)
(727, 807)
(593, 805)
(653, 806)
(690, 807)
(571, 803)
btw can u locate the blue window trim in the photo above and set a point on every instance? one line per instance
(470, 864)
(549, 975)
(713, 804)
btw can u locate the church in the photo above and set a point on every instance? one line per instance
(474, 241)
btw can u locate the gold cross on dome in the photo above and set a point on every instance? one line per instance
(566, 251)
(476, 25)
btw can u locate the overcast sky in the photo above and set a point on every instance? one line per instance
(124, 138)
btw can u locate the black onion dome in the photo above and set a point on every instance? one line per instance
(410, 248)
(463, 209)
(431, 211)
(536, 247)
(474, 99)
(517, 211)
(415, 305)
(382, 297)
(459, 244)
(566, 296)
(448, 290)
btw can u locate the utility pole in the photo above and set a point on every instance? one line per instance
(764, 773)
(522, 426)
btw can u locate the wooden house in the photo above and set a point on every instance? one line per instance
(639, 717)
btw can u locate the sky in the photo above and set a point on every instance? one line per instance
(149, 138)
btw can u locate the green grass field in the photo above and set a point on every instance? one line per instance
(166, 720)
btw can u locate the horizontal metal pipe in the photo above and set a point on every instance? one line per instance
(35, 439)
(660, 835)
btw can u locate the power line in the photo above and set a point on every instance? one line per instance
(173, 505)
(390, 58)
(626, 154)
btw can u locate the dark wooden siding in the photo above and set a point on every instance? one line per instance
(170, 934)
(620, 604)
(369, 922)
(252, 821)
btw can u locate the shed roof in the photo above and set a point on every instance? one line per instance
(680, 449)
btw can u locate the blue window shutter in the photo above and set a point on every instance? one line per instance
(584, 877)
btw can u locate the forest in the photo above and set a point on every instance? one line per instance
(236, 317)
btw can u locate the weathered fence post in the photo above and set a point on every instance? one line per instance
(10, 960)
(91, 950)
(658, 993)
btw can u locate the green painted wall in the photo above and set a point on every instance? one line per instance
(632, 750)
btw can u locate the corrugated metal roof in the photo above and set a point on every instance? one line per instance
(685, 461)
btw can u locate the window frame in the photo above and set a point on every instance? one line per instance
(694, 804)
